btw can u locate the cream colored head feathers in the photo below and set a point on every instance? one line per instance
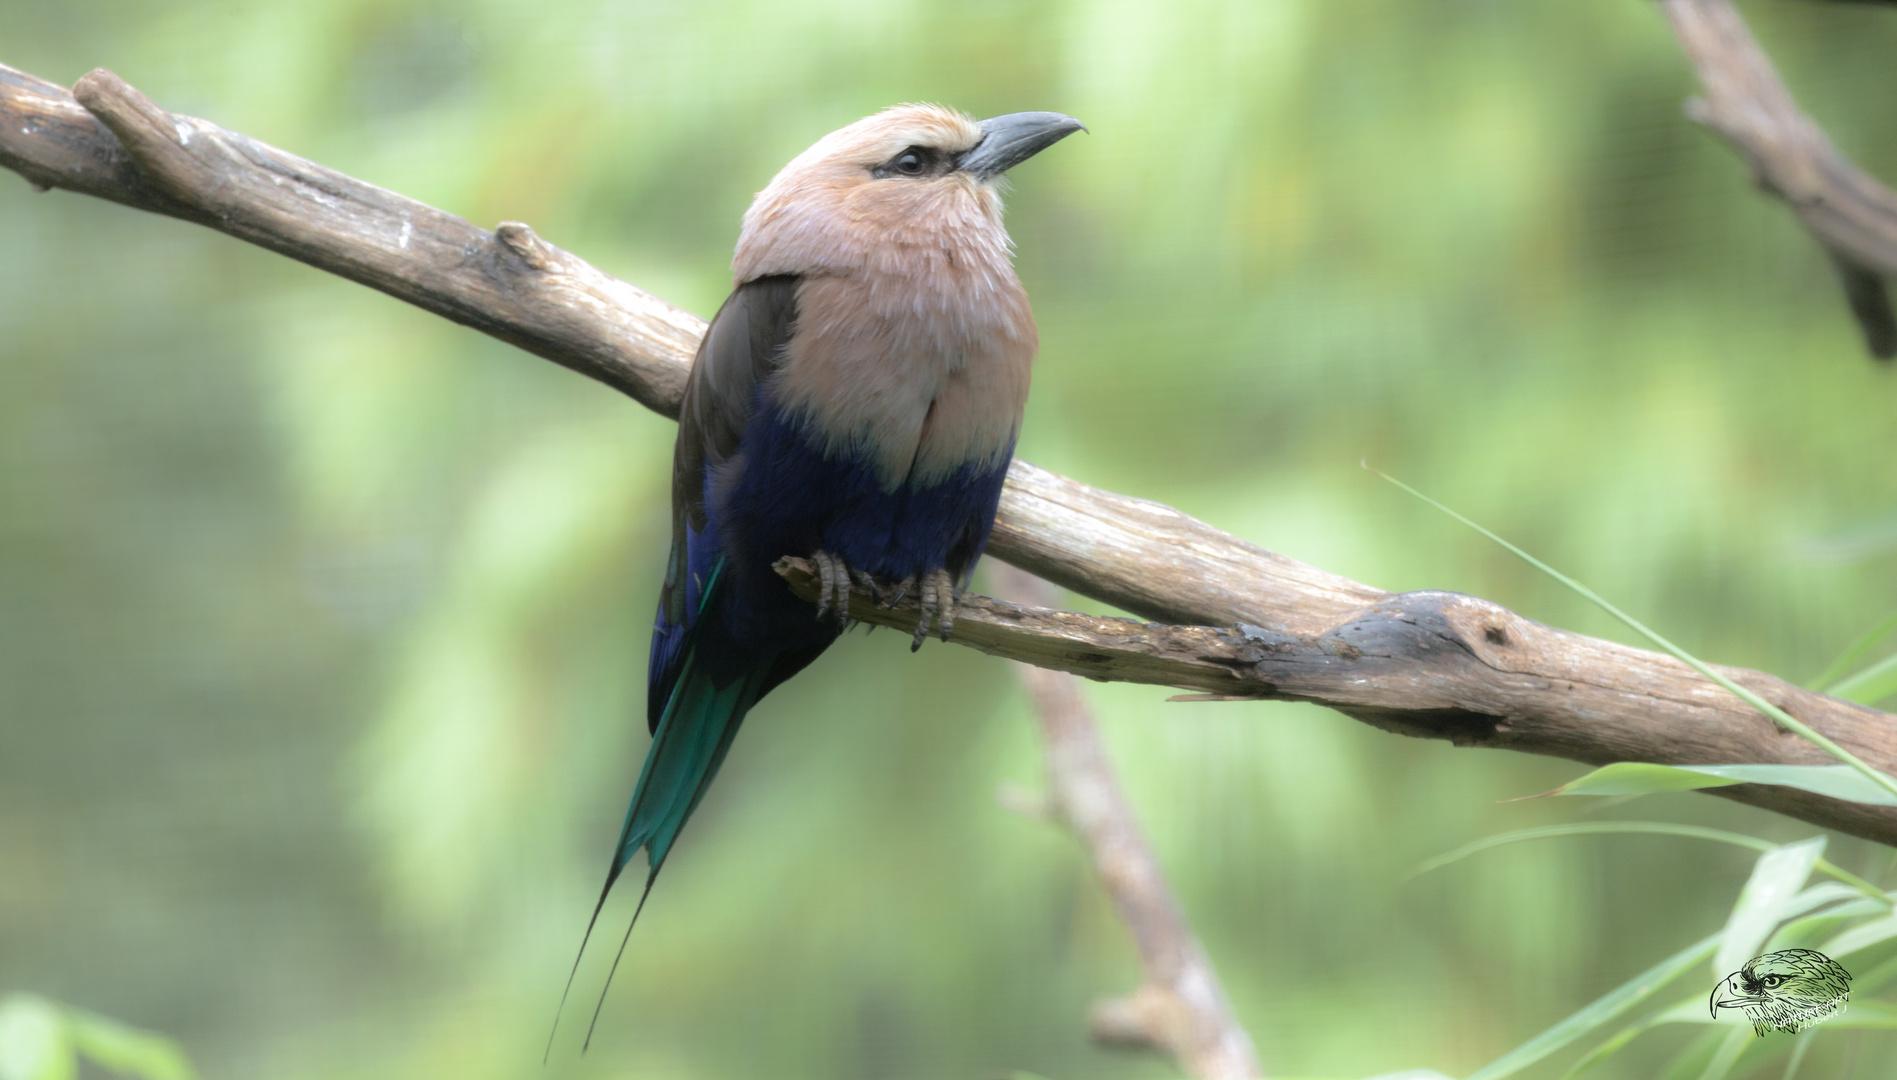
(837, 207)
(913, 336)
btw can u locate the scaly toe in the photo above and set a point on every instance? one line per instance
(822, 559)
(833, 590)
(925, 611)
(937, 606)
(945, 597)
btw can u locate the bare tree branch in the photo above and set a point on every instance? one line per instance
(508, 283)
(1446, 666)
(1841, 205)
(1181, 1007)
(1427, 664)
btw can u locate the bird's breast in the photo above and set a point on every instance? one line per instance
(918, 366)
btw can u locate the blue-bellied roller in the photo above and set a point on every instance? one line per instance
(855, 402)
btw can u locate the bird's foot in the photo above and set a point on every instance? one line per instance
(833, 586)
(935, 590)
(937, 606)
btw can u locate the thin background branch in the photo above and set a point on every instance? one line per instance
(1844, 208)
(1181, 1006)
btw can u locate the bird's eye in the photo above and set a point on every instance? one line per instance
(1772, 981)
(915, 161)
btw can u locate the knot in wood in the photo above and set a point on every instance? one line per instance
(525, 244)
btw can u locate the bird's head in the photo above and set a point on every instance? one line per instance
(910, 179)
(1784, 988)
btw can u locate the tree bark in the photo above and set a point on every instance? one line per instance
(1846, 210)
(1428, 664)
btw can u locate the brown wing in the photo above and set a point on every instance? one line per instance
(744, 344)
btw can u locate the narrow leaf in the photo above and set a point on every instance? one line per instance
(1727, 1055)
(1584, 828)
(1655, 828)
(1694, 1057)
(126, 1049)
(1613, 1045)
(1645, 778)
(1798, 932)
(33, 1042)
(1798, 1052)
(1776, 879)
(1861, 937)
(1600, 1011)
(1855, 652)
(1858, 1014)
(1870, 686)
(1693, 1009)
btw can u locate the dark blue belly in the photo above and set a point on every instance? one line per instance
(780, 496)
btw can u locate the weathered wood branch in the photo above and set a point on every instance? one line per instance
(509, 283)
(1428, 664)
(1446, 666)
(1181, 1007)
(1844, 208)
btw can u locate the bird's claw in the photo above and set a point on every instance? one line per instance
(833, 587)
(936, 595)
(889, 594)
(935, 605)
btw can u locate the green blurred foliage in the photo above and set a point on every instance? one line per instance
(324, 621)
(43, 1040)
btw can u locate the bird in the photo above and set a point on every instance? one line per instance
(855, 402)
(1785, 991)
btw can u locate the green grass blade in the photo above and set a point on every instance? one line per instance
(1780, 716)
(1801, 933)
(1870, 686)
(1651, 828)
(1615, 1044)
(34, 1041)
(1693, 1011)
(1693, 1057)
(1798, 1053)
(127, 1050)
(1645, 778)
(1585, 828)
(1637, 989)
(1727, 1055)
(1862, 936)
(1638, 778)
(1858, 1014)
(1851, 655)
(1869, 982)
(1598, 1012)
(1775, 881)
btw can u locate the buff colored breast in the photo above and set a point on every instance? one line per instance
(914, 338)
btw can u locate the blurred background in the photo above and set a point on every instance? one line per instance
(323, 621)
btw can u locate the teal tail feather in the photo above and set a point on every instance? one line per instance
(701, 718)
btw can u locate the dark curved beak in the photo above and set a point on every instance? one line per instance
(1009, 140)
